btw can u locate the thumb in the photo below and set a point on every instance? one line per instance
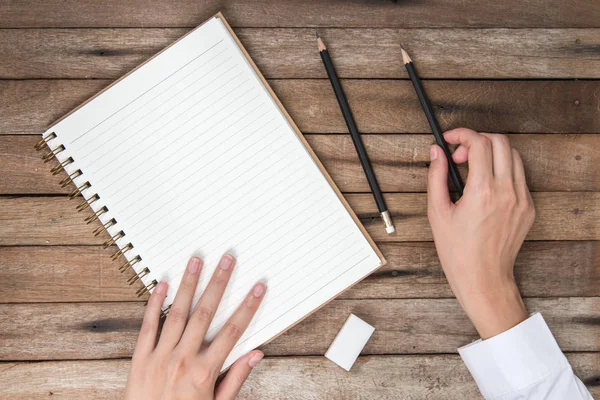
(438, 197)
(232, 383)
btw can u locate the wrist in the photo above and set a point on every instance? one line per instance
(496, 310)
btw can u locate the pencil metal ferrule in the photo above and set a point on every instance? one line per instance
(387, 220)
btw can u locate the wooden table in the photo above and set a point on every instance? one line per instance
(529, 68)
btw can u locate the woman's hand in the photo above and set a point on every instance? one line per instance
(178, 366)
(478, 238)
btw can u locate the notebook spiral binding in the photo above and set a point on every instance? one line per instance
(70, 178)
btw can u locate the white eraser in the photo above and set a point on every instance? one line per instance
(349, 342)
(390, 229)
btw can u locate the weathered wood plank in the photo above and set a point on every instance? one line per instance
(54, 221)
(292, 53)
(560, 216)
(552, 162)
(379, 106)
(86, 273)
(293, 378)
(49, 331)
(292, 13)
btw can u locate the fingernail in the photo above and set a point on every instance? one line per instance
(256, 359)
(226, 262)
(194, 265)
(258, 290)
(161, 288)
(432, 153)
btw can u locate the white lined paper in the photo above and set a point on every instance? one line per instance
(192, 156)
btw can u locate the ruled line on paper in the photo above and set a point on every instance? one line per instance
(174, 193)
(206, 244)
(142, 94)
(167, 168)
(100, 135)
(144, 138)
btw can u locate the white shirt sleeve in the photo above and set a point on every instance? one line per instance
(524, 362)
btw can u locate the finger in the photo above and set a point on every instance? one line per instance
(238, 373)
(479, 154)
(519, 177)
(207, 305)
(226, 339)
(438, 197)
(460, 155)
(178, 315)
(148, 331)
(502, 157)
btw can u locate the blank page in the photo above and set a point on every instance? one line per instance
(192, 156)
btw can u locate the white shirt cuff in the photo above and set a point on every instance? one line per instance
(514, 359)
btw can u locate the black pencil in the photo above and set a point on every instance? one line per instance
(426, 105)
(360, 149)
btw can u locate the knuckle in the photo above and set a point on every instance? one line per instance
(485, 141)
(219, 278)
(233, 331)
(188, 281)
(510, 199)
(486, 194)
(500, 139)
(204, 314)
(177, 315)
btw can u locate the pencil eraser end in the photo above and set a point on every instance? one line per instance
(390, 229)
(349, 342)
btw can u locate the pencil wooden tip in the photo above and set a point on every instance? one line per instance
(405, 57)
(320, 43)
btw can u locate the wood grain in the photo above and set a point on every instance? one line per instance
(292, 53)
(379, 106)
(86, 273)
(292, 13)
(48, 331)
(54, 221)
(552, 162)
(292, 378)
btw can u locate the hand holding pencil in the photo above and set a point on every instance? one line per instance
(435, 127)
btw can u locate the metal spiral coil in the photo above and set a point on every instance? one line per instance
(136, 277)
(131, 263)
(122, 251)
(104, 227)
(147, 289)
(165, 312)
(44, 141)
(66, 181)
(85, 203)
(113, 239)
(50, 155)
(96, 215)
(61, 167)
(79, 189)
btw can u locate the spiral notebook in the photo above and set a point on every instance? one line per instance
(192, 154)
